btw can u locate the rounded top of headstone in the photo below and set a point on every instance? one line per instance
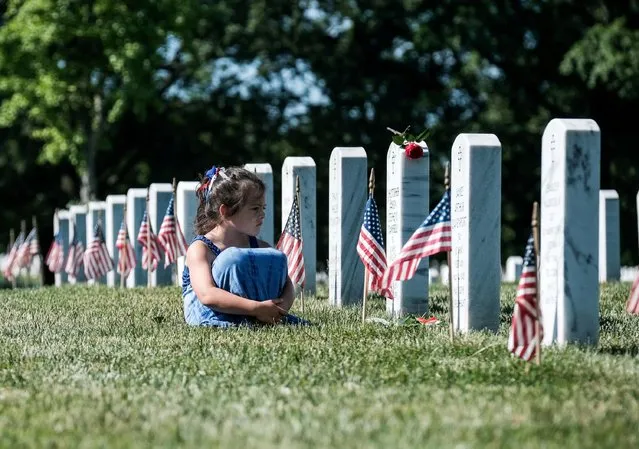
(299, 161)
(571, 124)
(477, 140)
(345, 152)
(259, 167)
(96, 205)
(115, 199)
(394, 147)
(187, 185)
(136, 191)
(78, 209)
(515, 259)
(160, 187)
(608, 194)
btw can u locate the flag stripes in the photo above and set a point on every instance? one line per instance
(290, 243)
(522, 339)
(97, 261)
(173, 243)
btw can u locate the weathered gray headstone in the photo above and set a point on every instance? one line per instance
(476, 231)
(609, 242)
(265, 172)
(569, 231)
(97, 211)
(159, 196)
(514, 265)
(348, 187)
(78, 215)
(304, 167)
(135, 207)
(114, 214)
(407, 195)
(61, 226)
(186, 211)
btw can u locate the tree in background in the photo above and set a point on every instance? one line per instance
(71, 68)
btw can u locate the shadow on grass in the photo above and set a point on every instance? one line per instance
(625, 350)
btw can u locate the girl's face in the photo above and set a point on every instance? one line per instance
(250, 217)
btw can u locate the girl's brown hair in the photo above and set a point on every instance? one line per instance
(234, 187)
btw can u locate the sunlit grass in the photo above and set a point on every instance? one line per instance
(98, 367)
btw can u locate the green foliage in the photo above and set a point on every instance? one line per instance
(68, 65)
(607, 57)
(406, 137)
(90, 367)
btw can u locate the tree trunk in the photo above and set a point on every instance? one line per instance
(89, 186)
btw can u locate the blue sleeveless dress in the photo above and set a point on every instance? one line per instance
(253, 273)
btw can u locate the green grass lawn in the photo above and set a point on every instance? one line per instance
(97, 367)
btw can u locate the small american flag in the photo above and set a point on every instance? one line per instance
(290, 243)
(97, 261)
(13, 256)
(76, 252)
(126, 259)
(522, 339)
(431, 237)
(173, 245)
(55, 255)
(30, 247)
(144, 233)
(370, 247)
(632, 306)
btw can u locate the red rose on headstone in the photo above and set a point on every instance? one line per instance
(413, 151)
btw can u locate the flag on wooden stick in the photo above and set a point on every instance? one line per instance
(171, 237)
(13, 257)
(290, 243)
(126, 257)
(431, 237)
(523, 337)
(370, 248)
(97, 261)
(145, 232)
(76, 253)
(55, 255)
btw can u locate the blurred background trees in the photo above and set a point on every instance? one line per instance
(97, 97)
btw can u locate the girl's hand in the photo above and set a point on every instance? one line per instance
(269, 311)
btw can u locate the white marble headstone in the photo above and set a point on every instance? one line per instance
(569, 231)
(61, 226)
(443, 274)
(78, 215)
(114, 214)
(159, 197)
(185, 211)
(265, 172)
(348, 187)
(433, 276)
(407, 195)
(514, 265)
(304, 167)
(135, 207)
(476, 231)
(609, 242)
(97, 211)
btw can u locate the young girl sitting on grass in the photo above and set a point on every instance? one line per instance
(232, 278)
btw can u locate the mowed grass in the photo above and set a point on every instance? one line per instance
(96, 367)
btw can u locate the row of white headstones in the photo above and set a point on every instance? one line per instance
(569, 227)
